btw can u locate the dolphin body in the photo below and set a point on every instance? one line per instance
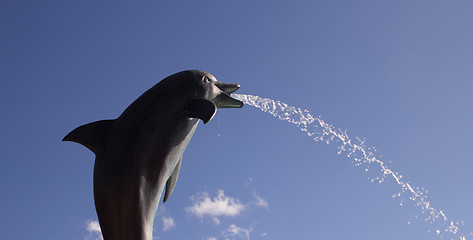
(141, 151)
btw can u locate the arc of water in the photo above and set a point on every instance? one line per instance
(356, 149)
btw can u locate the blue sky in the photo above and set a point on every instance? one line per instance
(398, 73)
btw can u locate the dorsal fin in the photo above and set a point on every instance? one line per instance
(91, 135)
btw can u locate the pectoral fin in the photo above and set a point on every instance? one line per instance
(202, 108)
(171, 183)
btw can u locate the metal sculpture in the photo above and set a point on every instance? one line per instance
(140, 152)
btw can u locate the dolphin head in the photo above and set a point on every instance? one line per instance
(207, 95)
(207, 87)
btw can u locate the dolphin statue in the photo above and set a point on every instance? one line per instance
(140, 152)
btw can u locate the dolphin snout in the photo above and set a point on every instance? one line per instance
(227, 87)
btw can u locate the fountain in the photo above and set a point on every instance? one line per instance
(362, 155)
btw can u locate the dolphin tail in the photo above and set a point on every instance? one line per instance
(171, 183)
(91, 135)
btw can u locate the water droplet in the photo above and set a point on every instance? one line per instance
(357, 151)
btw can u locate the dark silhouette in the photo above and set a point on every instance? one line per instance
(141, 151)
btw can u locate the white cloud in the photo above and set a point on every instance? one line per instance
(216, 220)
(264, 234)
(215, 207)
(247, 184)
(261, 202)
(212, 238)
(235, 232)
(168, 223)
(161, 210)
(94, 231)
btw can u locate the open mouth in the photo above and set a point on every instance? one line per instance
(224, 100)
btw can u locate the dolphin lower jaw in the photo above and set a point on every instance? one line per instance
(223, 100)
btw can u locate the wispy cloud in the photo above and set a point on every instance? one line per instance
(215, 207)
(249, 182)
(212, 238)
(168, 223)
(93, 229)
(260, 202)
(235, 232)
